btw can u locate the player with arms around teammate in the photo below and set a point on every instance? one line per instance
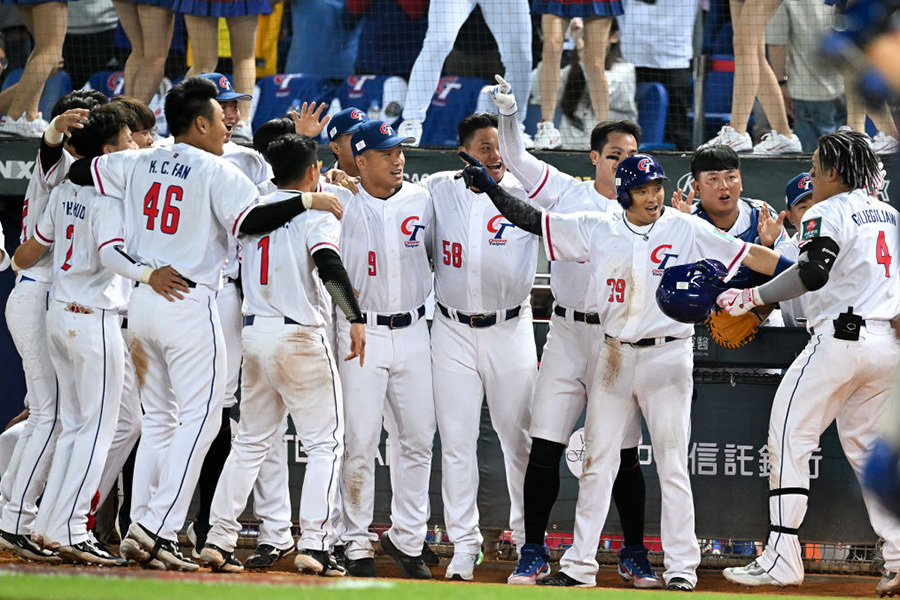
(560, 393)
(180, 204)
(482, 339)
(385, 242)
(644, 357)
(848, 242)
(289, 366)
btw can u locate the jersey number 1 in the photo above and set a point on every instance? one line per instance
(168, 222)
(882, 254)
(263, 246)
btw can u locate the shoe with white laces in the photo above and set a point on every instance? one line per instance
(728, 136)
(462, 566)
(889, 584)
(547, 136)
(774, 144)
(882, 143)
(242, 133)
(23, 127)
(89, 553)
(752, 575)
(411, 128)
(531, 566)
(634, 566)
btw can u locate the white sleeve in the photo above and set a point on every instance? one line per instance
(324, 232)
(108, 227)
(816, 223)
(43, 230)
(111, 171)
(568, 237)
(528, 170)
(232, 196)
(715, 244)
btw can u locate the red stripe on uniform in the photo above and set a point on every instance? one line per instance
(38, 233)
(97, 179)
(542, 183)
(739, 257)
(237, 222)
(320, 244)
(112, 241)
(547, 235)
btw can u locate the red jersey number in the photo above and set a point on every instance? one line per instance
(452, 254)
(616, 290)
(70, 232)
(883, 254)
(168, 222)
(263, 246)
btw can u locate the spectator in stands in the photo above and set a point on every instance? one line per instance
(149, 25)
(574, 99)
(90, 40)
(555, 15)
(812, 95)
(391, 36)
(509, 22)
(47, 23)
(324, 41)
(654, 38)
(754, 79)
(201, 17)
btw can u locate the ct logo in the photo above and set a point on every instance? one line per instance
(411, 228)
(225, 84)
(660, 257)
(644, 165)
(804, 183)
(356, 114)
(496, 227)
(386, 129)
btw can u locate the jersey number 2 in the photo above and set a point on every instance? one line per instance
(168, 222)
(70, 231)
(882, 254)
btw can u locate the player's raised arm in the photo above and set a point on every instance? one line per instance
(525, 166)
(519, 213)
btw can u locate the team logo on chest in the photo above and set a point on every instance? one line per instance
(496, 227)
(660, 257)
(411, 228)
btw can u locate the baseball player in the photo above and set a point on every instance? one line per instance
(86, 343)
(560, 392)
(26, 311)
(644, 357)
(482, 339)
(509, 22)
(181, 204)
(289, 365)
(386, 245)
(844, 373)
(341, 128)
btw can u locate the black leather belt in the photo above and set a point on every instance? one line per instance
(397, 320)
(481, 320)
(248, 320)
(646, 341)
(589, 318)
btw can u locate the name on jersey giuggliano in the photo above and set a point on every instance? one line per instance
(874, 215)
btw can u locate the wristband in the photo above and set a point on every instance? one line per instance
(145, 276)
(13, 265)
(783, 265)
(51, 135)
(306, 198)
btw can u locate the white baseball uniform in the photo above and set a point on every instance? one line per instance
(4, 257)
(181, 204)
(482, 345)
(386, 248)
(510, 24)
(26, 318)
(793, 311)
(87, 350)
(645, 357)
(288, 367)
(836, 379)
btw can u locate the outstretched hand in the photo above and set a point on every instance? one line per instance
(769, 229)
(501, 96)
(310, 121)
(475, 175)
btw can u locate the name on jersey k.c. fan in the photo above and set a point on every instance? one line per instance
(167, 168)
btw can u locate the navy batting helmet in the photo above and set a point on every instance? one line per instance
(687, 293)
(634, 171)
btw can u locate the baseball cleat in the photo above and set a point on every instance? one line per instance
(560, 579)
(429, 557)
(361, 567)
(752, 575)
(462, 566)
(679, 584)
(411, 567)
(25, 548)
(265, 556)
(89, 553)
(889, 585)
(531, 566)
(634, 566)
(165, 550)
(318, 562)
(219, 560)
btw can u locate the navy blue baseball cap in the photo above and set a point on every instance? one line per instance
(226, 90)
(797, 189)
(344, 122)
(376, 135)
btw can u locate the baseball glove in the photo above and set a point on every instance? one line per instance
(732, 332)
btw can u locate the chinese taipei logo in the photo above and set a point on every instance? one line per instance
(660, 257)
(411, 228)
(497, 228)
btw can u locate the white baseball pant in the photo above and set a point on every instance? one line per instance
(179, 356)
(657, 382)
(831, 379)
(8, 441)
(89, 356)
(499, 362)
(286, 368)
(26, 318)
(228, 300)
(272, 495)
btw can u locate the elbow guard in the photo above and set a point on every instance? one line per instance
(816, 259)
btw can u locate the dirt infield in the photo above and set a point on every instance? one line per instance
(490, 572)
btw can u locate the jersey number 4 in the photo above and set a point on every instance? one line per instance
(882, 254)
(168, 222)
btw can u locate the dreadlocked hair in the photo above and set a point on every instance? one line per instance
(849, 153)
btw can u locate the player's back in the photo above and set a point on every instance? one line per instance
(181, 203)
(864, 275)
(277, 269)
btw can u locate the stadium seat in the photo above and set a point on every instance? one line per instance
(276, 94)
(653, 104)
(454, 99)
(111, 83)
(55, 88)
(380, 96)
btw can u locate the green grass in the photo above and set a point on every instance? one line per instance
(66, 586)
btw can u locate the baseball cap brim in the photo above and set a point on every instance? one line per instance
(351, 129)
(226, 96)
(384, 144)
